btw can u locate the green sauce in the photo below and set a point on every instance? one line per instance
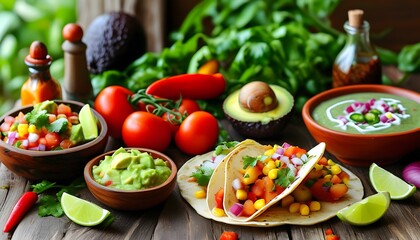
(131, 170)
(332, 114)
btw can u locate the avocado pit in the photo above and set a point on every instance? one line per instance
(258, 114)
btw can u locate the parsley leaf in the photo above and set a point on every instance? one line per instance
(203, 175)
(59, 125)
(37, 118)
(50, 206)
(285, 177)
(252, 161)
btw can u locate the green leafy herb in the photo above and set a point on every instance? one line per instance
(202, 175)
(37, 118)
(60, 125)
(252, 161)
(285, 177)
(50, 204)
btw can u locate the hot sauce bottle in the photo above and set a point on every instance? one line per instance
(40, 86)
(358, 62)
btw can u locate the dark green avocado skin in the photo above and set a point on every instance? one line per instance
(114, 40)
(256, 130)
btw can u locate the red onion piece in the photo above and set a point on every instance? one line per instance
(411, 173)
(236, 209)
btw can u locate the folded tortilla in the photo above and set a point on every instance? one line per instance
(275, 215)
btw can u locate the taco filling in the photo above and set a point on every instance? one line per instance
(261, 178)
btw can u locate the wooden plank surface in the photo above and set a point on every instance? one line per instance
(175, 219)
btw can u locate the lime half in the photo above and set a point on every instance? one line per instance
(367, 210)
(382, 180)
(81, 211)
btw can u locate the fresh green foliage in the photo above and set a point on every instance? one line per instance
(21, 23)
(50, 203)
(285, 177)
(252, 161)
(202, 175)
(37, 118)
(60, 125)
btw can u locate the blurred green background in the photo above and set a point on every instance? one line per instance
(21, 23)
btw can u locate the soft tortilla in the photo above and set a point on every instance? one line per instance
(273, 216)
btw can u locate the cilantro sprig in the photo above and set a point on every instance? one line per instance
(50, 203)
(285, 177)
(202, 175)
(252, 161)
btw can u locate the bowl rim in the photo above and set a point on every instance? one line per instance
(335, 92)
(102, 134)
(87, 172)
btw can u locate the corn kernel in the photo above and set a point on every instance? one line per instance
(286, 201)
(318, 166)
(328, 176)
(270, 165)
(259, 203)
(304, 209)
(346, 181)
(278, 163)
(388, 115)
(272, 174)
(31, 128)
(294, 207)
(200, 194)
(218, 212)
(13, 128)
(335, 169)
(23, 129)
(241, 195)
(269, 152)
(331, 162)
(314, 206)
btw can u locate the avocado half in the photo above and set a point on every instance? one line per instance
(259, 125)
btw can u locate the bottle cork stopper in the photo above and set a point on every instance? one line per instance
(355, 18)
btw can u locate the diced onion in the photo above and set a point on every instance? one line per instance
(218, 159)
(236, 209)
(236, 184)
(411, 173)
(275, 156)
(285, 145)
(42, 147)
(297, 161)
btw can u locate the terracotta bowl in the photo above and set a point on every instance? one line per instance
(59, 165)
(363, 149)
(131, 199)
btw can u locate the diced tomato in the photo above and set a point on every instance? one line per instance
(344, 176)
(338, 190)
(21, 118)
(260, 165)
(252, 196)
(219, 198)
(52, 140)
(324, 190)
(323, 161)
(66, 143)
(249, 208)
(270, 192)
(229, 236)
(335, 179)
(258, 188)
(64, 109)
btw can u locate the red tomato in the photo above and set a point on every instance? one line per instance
(52, 140)
(189, 106)
(218, 197)
(143, 129)
(198, 133)
(112, 103)
(229, 236)
(64, 109)
(324, 190)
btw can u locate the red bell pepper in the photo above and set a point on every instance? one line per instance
(25, 202)
(192, 86)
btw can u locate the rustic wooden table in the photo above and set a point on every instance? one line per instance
(175, 219)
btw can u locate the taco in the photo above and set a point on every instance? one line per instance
(275, 214)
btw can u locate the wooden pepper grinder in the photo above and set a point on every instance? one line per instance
(40, 86)
(76, 83)
(358, 62)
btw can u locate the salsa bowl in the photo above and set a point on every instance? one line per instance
(365, 147)
(58, 165)
(122, 199)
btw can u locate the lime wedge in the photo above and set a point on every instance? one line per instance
(81, 211)
(88, 122)
(367, 210)
(382, 180)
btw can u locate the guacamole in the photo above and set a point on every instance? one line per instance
(131, 170)
(368, 113)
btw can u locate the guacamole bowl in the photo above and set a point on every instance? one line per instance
(53, 165)
(129, 199)
(384, 137)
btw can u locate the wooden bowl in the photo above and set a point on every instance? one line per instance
(131, 199)
(59, 165)
(363, 149)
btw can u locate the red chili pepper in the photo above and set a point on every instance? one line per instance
(192, 86)
(22, 206)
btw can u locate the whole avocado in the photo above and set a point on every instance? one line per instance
(114, 40)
